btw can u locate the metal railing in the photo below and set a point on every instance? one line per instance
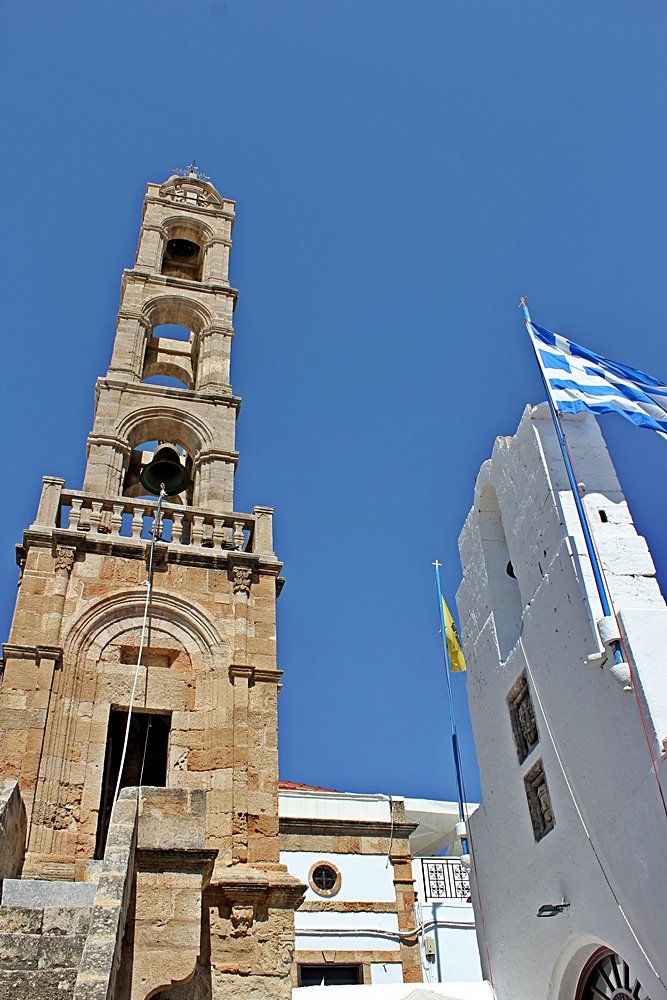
(445, 878)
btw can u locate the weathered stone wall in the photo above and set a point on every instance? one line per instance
(40, 951)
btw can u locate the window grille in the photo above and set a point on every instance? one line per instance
(445, 878)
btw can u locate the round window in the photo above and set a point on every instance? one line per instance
(324, 878)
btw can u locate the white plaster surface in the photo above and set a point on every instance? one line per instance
(364, 877)
(357, 925)
(595, 735)
(386, 972)
(334, 805)
(457, 954)
(394, 991)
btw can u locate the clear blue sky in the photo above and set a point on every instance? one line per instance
(403, 173)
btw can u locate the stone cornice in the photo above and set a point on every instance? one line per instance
(147, 389)
(16, 651)
(168, 281)
(190, 209)
(255, 673)
(171, 860)
(136, 548)
(322, 827)
(246, 884)
(336, 906)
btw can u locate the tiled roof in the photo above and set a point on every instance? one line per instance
(295, 786)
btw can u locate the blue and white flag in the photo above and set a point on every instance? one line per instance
(580, 379)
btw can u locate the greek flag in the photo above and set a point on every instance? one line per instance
(579, 379)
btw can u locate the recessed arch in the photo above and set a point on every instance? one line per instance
(190, 625)
(178, 309)
(192, 229)
(506, 605)
(166, 423)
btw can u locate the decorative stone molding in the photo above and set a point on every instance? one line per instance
(36, 653)
(241, 919)
(64, 559)
(522, 718)
(241, 579)
(539, 801)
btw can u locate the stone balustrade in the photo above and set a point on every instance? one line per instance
(133, 518)
(127, 517)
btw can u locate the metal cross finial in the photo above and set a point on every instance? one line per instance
(436, 564)
(523, 302)
(192, 170)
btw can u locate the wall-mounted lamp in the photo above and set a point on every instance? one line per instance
(552, 909)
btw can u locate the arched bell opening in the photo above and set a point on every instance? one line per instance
(183, 254)
(182, 259)
(144, 476)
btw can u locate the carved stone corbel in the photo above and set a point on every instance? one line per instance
(64, 559)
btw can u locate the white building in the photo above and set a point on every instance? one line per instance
(381, 907)
(570, 842)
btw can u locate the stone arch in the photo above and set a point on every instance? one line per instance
(505, 601)
(162, 423)
(184, 619)
(184, 241)
(192, 229)
(180, 369)
(181, 310)
(166, 423)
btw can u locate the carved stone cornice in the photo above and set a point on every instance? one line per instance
(255, 674)
(109, 439)
(21, 652)
(172, 860)
(312, 826)
(247, 885)
(241, 670)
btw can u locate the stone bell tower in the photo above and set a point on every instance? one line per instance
(180, 871)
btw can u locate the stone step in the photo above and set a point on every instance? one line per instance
(38, 893)
(37, 984)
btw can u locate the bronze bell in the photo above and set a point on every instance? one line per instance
(165, 470)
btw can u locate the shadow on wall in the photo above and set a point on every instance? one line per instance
(13, 826)
(504, 594)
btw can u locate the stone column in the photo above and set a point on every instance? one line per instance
(240, 673)
(404, 887)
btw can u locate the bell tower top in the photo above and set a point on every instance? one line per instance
(169, 376)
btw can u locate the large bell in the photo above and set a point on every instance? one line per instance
(165, 469)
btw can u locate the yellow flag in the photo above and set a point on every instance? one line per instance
(457, 662)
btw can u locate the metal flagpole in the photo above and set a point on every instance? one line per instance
(585, 527)
(452, 721)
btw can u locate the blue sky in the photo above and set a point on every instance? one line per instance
(403, 174)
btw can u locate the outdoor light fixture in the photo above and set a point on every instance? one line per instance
(552, 909)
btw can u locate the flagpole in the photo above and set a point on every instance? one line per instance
(583, 519)
(450, 700)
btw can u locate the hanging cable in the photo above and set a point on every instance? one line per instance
(155, 534)
(582, 820)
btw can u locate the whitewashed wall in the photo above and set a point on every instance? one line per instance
(364, 877)
(451, 923)
(596, 725)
